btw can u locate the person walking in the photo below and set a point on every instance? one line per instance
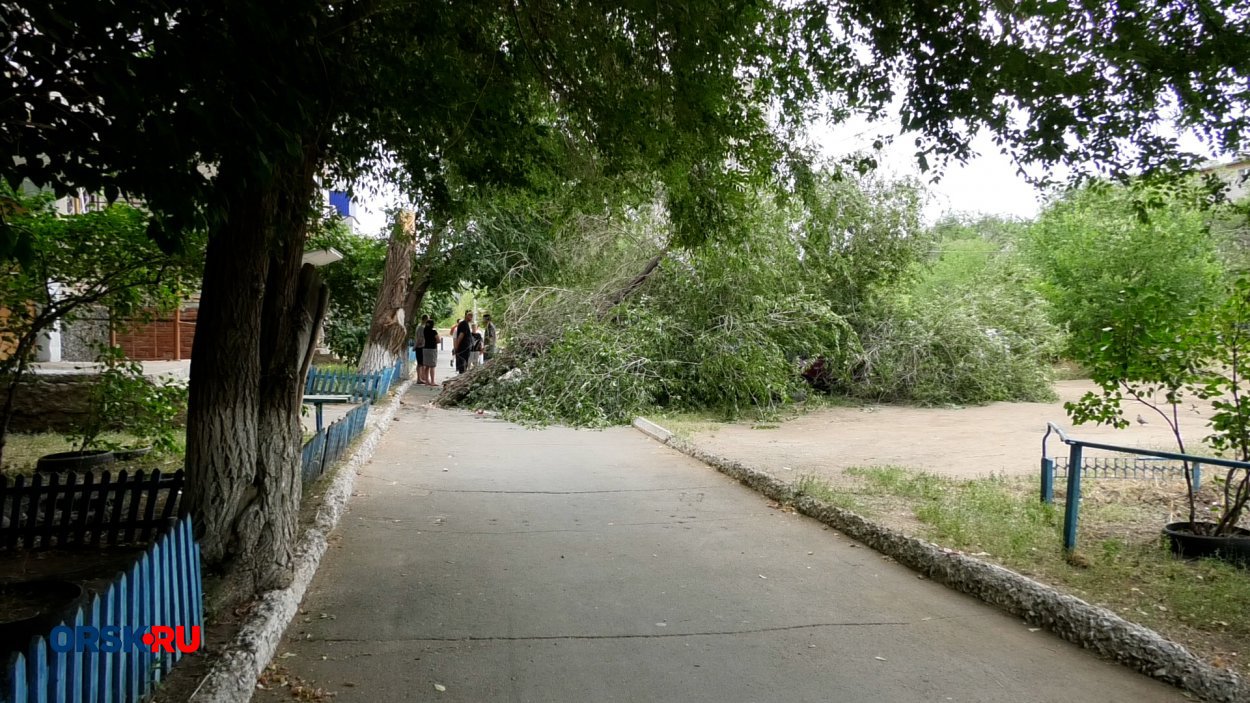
(462, 342)
(475, 348)
(451, 334)
(430, 341)
(490, 339)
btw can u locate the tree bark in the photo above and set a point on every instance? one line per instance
(619, 296)
(422, 276)
(257, 309)
(224, 401)
(388, 332)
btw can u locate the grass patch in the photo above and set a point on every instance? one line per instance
(22, 452)
(337, 368)
(821, 489)
(1121, 563)
(685, 424)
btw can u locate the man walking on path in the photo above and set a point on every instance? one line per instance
(462, 341)
(564, 566)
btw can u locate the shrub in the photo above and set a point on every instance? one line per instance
(958, 347)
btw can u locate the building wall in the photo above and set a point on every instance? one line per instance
(8, 342)
(82, 339)
(1237, 175)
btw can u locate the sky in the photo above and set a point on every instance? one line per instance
(987, 184)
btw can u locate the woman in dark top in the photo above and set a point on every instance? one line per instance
(463, 341)
(429, 353)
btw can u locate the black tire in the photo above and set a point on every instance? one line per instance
(75, 461)
(59, 597)
(1233, 548)
(129, 454)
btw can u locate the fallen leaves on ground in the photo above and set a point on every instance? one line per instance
(279, 678)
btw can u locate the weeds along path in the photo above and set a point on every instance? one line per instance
(1000, 438)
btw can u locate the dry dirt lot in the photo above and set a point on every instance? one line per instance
(1000, 438)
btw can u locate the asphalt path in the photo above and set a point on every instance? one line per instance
(482, 561)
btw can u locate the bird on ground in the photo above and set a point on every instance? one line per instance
(1141, 420)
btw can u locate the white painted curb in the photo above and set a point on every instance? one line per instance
(652, 430)
(234, 674)
(1069, 617)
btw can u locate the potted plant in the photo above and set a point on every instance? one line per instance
(124, 399)
(74, 264)
(1205, 357)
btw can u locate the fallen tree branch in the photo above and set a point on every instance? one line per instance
(461, 387)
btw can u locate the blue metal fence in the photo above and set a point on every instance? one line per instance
(360, 386)
(328, 445)
(163, 587)
(1076, 457)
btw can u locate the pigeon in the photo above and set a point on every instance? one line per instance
(1141, 420)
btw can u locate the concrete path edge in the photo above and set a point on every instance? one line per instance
(232, 678)
(1073, 619)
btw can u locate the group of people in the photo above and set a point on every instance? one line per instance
(469, 345)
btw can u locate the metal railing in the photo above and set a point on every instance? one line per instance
(1076, 458)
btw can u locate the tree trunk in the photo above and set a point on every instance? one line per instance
(387, 332)
(422, 276)
(257, 307)
(224, 399)
(619, 296)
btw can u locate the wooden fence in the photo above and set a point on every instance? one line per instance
(360, 386)
(163, 587)
(83, 510)
(328, 445)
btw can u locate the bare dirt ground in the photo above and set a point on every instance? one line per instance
(1000, 438)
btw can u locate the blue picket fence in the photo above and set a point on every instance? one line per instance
(163, 587)
(360, 386)
(328, 445)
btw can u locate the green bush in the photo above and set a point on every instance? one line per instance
(123, 399)
(965, 347)
(1118, 274)
(972, 328)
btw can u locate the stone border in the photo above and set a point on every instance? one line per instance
(1081, 623)
(233, 676)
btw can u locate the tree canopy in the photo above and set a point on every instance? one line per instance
(118, 96)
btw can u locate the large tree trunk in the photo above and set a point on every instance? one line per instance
(257, 309)
(421, 277)
(387, 332)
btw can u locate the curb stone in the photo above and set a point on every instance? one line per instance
(1090, 626)
(233, 676)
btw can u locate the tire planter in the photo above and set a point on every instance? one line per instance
(31, 608)
(1233, 548)
(128, 454)
(75, 461)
